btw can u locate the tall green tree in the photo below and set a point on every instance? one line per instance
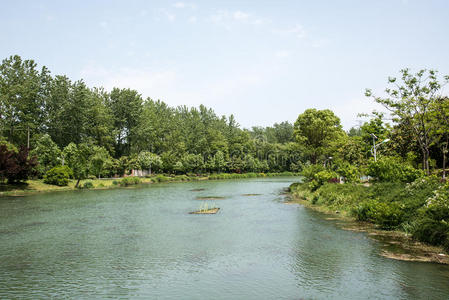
(98, 160)
(410, 99)
(77, 158)
(126, 107)
(47, 152)
(441, 125)
(23, 91)
(315, 130)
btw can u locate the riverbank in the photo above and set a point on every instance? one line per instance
(35, 186)
(397, 215)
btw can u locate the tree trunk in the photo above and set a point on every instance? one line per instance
(444, 159)
(77, 183)
(425, 161)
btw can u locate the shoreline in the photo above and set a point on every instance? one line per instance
(37, 186)
(394, 244)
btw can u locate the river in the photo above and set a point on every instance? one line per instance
(142, 243)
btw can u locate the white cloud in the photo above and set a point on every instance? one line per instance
(282, 54)
(228, 18)
(192, 19)
(166, 14)
(103, 24)
(148, 83)
(170, 17)
(349, 110)
(240, 16)
(181, 5)
(296, 31)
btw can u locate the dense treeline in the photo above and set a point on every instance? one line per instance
(416, 135)
(105, 133)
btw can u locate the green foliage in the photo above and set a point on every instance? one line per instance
(387, 215)
(431, 231)
(420, 208)
(192, 162)
(47, 152)
(349, 172)
(322, 177)
(77, 158)
(162, 178)
(393, 170)
(309, 171)
(315, 130)
(411, 99)
(127, 181)
(88, 185)
(59, 175)
(149, 161)
(98, 160)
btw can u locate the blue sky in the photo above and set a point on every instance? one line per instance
(263, 61)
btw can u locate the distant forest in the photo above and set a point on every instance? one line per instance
(50, 113)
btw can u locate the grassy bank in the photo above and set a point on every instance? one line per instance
(419, 209)
(38, 186)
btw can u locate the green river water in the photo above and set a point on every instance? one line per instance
(142, 243)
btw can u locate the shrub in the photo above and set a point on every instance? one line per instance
(59, 175)
(130, 181)
(115, 182)
(309, 171)
(387, 215)
(432, 231)
(88, 185)
(321, 178)
(349, 172)
(393, 170)
(162, 178)
(16, 166)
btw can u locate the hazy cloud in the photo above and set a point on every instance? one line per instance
(296, 31)
(181, 5)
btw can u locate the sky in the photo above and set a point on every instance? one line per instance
(263, 61)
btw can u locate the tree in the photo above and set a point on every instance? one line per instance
(77, 158)
(192, 162)
(98, 160)
(441, 125)
(411, 101)
(47, 152)
(23, 91)
(122, 165)
(219, 161)
(126, 107)
(283, 132)
(16, 166)
(315, 130)
(149, 161)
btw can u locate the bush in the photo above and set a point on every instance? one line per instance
(432, 231)
(321, 178)
(387, 215)
(161, 178)
(393, 170)
(59, 175)
(130, 181)
(88, 185)
(349, 172)
(309, 172)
